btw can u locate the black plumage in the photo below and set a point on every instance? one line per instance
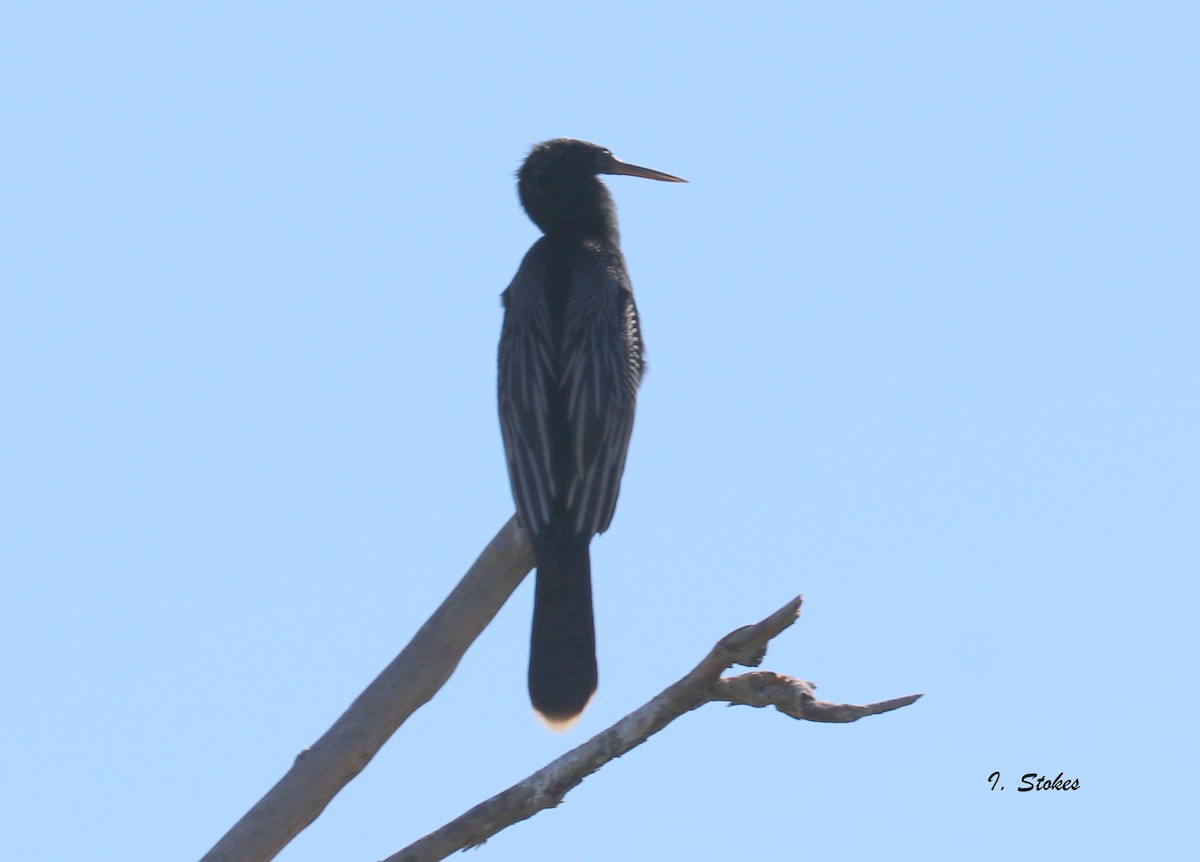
(570, 364)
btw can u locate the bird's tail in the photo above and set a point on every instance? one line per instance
(562, 653)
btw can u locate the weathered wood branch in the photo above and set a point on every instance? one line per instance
(547, 787)
(794, 697)
(421, 669)
(405, 685)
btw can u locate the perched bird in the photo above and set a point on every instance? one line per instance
(570, 364)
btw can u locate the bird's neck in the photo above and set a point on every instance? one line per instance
(573, 212)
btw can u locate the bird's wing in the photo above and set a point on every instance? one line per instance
(600, 370)
(526, 381)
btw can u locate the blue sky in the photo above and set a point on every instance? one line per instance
(922, 340)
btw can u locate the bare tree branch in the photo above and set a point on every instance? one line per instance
(794, 697)
(404, 686)
(547, 787)
(421, 669)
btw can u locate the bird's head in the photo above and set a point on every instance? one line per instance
(559, 186)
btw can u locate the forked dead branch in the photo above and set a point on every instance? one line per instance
(547, 787)
(427, 662)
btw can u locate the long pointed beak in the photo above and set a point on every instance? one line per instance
(616, 166)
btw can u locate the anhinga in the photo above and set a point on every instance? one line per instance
(570, 364)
